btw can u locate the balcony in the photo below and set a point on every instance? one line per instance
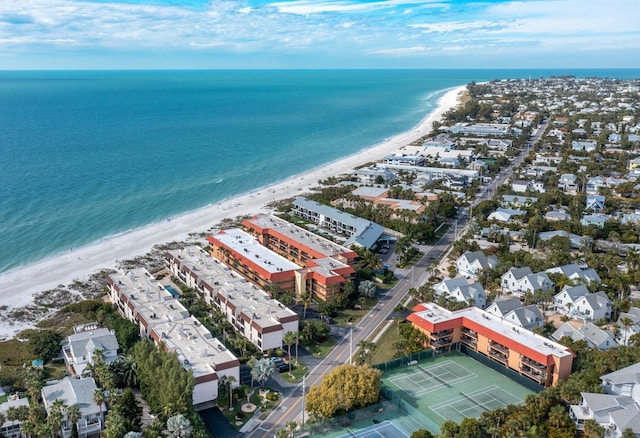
(441, 334)
(500, 357)
(468, 340)
(88, 427)
(499, 347)
(470, 333)
(532, 363)
(534, 375)
(440, 342)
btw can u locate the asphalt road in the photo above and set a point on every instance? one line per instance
(291, 407)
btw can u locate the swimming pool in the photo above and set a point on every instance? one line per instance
(172, 291)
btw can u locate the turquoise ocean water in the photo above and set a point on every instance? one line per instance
(85, 155)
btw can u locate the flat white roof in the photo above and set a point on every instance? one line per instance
(300, 235)
(436, 314)
(243, 294)
(247, 245)
(172, 323)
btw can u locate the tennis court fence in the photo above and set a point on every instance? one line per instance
(403, 361)
(406, 407)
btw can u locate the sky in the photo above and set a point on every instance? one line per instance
(222, 34)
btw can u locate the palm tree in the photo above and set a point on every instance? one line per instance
(99, 398)
(291, 427)
(127, 371)
(290, 338)
(230, 380)
(367, 348)
(2, 418)
(626, 323)
(55, 416)
(592, 429)
(305, 297)
(74, 415)
(178, 426)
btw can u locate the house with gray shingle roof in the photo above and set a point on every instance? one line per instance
(501, 307)
(592, 307)
(462, 291)
(528, 317)
(565, 300)
(471, 263)
(618, 408)
(589, 332)
(80, 348)
(80, 393)
(11, 428)
(517, 200)
(505, 214)
(625, 332)
(519, 281)
(576, 273)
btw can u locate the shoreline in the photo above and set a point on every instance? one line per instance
(18, 285)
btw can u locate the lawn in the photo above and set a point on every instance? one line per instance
(385, 351)
(322, 349)
(296, 373)
(238, 418)
(13, 355)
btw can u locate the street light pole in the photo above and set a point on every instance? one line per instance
(351, 346)
(303, 377)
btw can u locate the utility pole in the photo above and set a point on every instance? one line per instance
(351, 346)
(303, 377)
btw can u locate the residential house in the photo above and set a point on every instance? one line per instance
(80, 348)
(80, 393)
(373, 175)
(528, 317)
(574, 239)
(517, 201)
(596, 219)
(594, 203)
(471, 263)
(592, 307)
(577, 274)
(533, 356)
(505, 214)
(519, 281)
(593, 335)
(521, 186)
(629, 325)
(502, 307)
(12, 428)
(463, 291)
(617, 409)
(568, 183)
(510, 279)
(587, 146)
(557, 216)
(566, 299)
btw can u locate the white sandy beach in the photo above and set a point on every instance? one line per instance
(18, 286)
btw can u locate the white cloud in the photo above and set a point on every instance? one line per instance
(305, 7)
(321, 29)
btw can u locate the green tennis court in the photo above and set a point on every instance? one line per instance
(450, 387)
